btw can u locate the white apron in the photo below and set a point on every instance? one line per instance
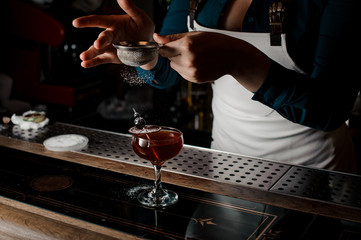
(244, 126)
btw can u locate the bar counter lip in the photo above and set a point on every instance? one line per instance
(275, 192)
(19, 214)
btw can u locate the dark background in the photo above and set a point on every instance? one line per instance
(105, 97)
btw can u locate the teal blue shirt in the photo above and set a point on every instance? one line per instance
(321, 40)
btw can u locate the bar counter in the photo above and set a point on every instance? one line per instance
(91, 193)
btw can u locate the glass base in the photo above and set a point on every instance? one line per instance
(150, 199)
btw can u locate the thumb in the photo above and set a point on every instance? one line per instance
(167, 38)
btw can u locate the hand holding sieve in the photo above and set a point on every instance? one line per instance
(136, 53)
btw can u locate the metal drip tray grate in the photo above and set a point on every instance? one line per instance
(226, 167)
(322, 185)
(204, 163)
(214, 165)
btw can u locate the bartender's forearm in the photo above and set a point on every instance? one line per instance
(250, 66)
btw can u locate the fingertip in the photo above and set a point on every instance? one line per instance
(97, 44)
(158, 39)
(87, 64)
(75, 23)
(82, 56)
(83, 64)
(100, 42)
(157, 35)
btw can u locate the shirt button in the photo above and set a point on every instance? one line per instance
(250, 19)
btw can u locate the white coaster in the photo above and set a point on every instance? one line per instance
(66, 142)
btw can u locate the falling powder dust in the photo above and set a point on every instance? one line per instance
(130, 76)
(134, 192)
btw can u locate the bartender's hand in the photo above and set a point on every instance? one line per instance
(135, 25)
(204, 57)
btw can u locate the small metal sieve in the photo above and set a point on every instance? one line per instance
(136, 53)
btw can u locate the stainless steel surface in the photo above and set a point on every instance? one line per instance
(327, 186)
(322, 185)
(136, 53)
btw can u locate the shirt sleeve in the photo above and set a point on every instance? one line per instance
(324, 97)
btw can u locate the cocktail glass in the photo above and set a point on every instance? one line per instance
(158, 147)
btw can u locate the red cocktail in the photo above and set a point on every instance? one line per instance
(158, 147)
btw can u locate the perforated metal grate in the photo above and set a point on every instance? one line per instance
(214, 165)
(201, 162)
(227, 167)
(323, 185)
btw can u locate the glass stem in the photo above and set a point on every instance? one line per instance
(158, 190)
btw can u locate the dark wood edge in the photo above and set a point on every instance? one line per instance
(19, 220)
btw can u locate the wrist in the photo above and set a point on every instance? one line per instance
(251, 67)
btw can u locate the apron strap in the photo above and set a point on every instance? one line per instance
(192, 11)
(276, 18)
